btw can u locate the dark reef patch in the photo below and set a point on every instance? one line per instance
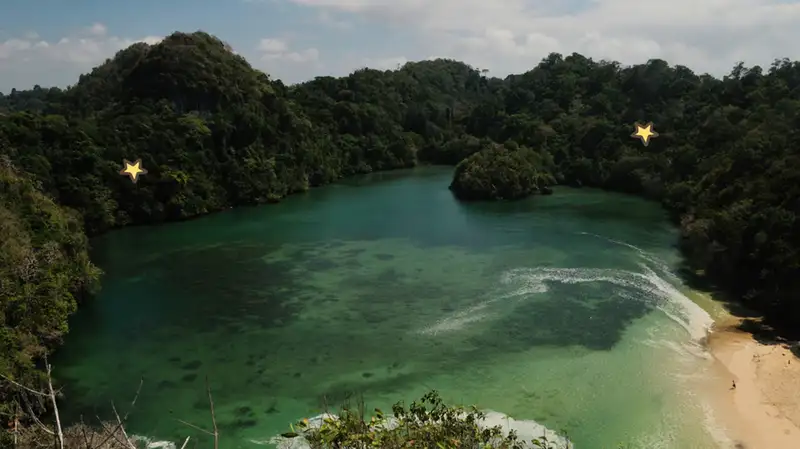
(192, 365)
(243, 411)
(166, 384)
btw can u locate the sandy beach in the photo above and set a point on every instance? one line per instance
(763, 410)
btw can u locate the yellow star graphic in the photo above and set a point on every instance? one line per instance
(133, 170)
(644, 132)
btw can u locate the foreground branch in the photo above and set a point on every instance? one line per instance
(215, 433)
(213, 416)
(120, 423)
(55, 405)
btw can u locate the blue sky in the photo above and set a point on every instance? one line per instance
(51, 42)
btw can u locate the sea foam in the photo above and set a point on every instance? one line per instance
(655, 285)
(152, 444)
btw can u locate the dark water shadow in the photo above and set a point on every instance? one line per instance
(573, 316)
(766, 327)
(701, 283)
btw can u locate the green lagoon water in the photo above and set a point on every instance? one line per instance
(559, 310)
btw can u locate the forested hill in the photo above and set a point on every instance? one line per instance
(213, 133)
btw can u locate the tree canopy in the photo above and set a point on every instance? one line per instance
(214, 133)
(501, 173)
(44, 266)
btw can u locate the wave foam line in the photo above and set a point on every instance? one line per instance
(642, 253)
(655, 290)
(458, 320)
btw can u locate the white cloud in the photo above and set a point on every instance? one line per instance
(14, 46)
(272, 49)
(514, 35)
(30, 60)
(385, 63)
(307, 55)
(504, 36)
(272, 46)
(98, 29)
(276, 57)
(326, 18)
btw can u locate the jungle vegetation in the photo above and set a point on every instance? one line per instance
(215, 133)
(426, 423)
(501, 173)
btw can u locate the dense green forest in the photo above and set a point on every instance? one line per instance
(214, 133)
(502, 172)
(44, 266)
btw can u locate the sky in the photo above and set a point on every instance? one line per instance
(52, 42)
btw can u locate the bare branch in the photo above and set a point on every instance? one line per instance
(213, 417)
(195, 427)
(86, 441)
(16, 422)
(135, 397)
(112, 432)
(215, 433)
(24, 387)
(120, 422)
(185, 442)
(36, 420)
(122, 428)
(55, 406)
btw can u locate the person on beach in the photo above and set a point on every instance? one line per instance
(734, 385)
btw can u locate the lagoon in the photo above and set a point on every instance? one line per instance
(562, 310)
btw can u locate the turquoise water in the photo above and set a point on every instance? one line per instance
(561, 310)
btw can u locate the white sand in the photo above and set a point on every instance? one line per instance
(763, 411)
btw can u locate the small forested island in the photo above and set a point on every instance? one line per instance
(498, 172)
(215, 133)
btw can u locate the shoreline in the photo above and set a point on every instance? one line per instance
(763, 410)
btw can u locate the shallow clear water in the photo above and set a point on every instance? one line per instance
(561, 309)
